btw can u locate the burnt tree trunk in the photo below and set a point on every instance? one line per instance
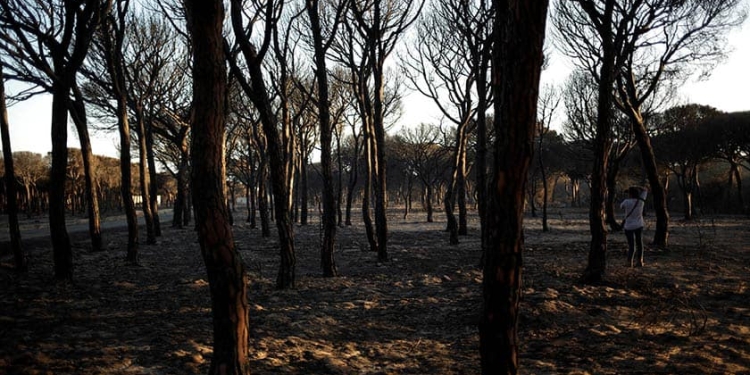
(339, 183)
(153, 188)
(543, 171)
(448, 204)
(327, 260)
(78, 111)
(381, 187)
(265, 219)
(180, 200)
(463, 225)
(351, 186)
(367, 189)
(597, 258)
(428, 203)
(61, 249)
(226, 272)
(256, 90)
(126, 186)
(145, 179)
(517, 64)
(303, 191)
(19, 256)
(113, 43)
(611, 217)
(661, 233)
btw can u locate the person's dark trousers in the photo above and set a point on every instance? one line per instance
(635, 246)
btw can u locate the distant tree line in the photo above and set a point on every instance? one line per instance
(32, 184)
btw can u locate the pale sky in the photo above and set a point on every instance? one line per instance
(726, 89)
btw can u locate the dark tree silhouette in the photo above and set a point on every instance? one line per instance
(226, 272)
(382, 23)
(517, 64)
(602, 64)
(255, 88)
(19, 256)
(113, 38)
(321, 40)
(47, 45)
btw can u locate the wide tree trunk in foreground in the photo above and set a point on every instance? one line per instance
(520, 27)
(226, 272)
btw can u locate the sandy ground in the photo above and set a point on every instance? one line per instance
(686, 312)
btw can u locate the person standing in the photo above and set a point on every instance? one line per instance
(633, 223)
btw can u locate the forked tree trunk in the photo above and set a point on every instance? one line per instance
(226, 272)
(517, 64)
(255, 87)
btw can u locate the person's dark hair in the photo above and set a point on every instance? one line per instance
(634, 192)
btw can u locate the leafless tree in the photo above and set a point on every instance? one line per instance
(602, 61)
(683, 143)
(580, 100)
(669, 41)
(447, 62)
(549, 100)
(425, 158)
(254, 85)
(113, 38)
(381, 24)
(46, 44)
(19, 256)
(644, 44)
(323, 29)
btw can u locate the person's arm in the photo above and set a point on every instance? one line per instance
(644, 193)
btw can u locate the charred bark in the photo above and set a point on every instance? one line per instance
(226, 272)
(517, 64)
(19, 255)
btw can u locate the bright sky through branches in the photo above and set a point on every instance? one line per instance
(725, 89)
